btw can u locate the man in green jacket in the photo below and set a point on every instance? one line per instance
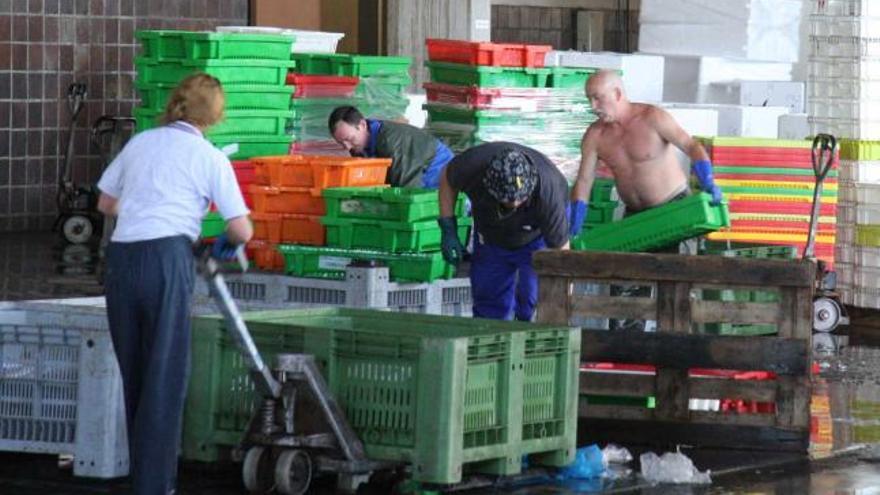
(417, 157)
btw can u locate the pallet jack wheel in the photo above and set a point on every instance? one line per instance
(77, 229)
(293, 472)
(256, 471)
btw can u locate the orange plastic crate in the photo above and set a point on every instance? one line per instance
(339, 171)
(266, 256)
(297, 200)
(283, 171)
(495, 54)
(267, 227)
(303, 229)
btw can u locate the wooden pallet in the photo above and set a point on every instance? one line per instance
(678, 347)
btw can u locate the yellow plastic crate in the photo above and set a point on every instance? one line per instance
(777, 197)
(773, 184)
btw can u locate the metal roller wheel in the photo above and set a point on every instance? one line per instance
(77, 229)
(826, 314)
(293, 472)
(256, 471)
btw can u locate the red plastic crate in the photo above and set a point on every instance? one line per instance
(244, 172)
(775, 178)
(483, 98)
(756, 157)
(321, 86)
(743, 225)
(478, 53)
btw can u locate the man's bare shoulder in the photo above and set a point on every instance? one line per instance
(648, 111)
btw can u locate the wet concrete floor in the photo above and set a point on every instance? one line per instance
(845, 449)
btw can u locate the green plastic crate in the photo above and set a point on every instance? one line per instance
(509, 77)
(603, 191)
(868, 235)
(244, 147)
(316, 63)
(854, 149)
(330, 263)
(171, 45)
(212, 225)
(441, 393)
(569, 77)
(600, 213)
(371, 66)
(438, 112)
(658, 227)
(393, 237)
(228, 71)
(382, 87)
(393, 204)
(235, 122)
(238, 97)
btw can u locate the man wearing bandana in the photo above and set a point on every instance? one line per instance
(519, 202)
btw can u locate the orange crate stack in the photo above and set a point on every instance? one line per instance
(287, 202)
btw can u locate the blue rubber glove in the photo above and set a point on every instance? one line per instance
(577, 215)
(450, 245)
(223, 249)
(703, 171)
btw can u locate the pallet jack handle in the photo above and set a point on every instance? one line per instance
(823, 152)
(266, 384)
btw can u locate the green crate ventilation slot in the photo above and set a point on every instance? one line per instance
(482, 407)
(379, 399)
(542, 405)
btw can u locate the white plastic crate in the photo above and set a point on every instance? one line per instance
(866, 257)
(844, 46)
(845, 274)
(846, 212)
(847, 26)
(60, 390)
(367, 287)
(861, 172)
(845, 128)
(845, 108)
(846, 234)
(865, 276)
(847, 88)
(861, 194)
(846, 7)
(306, 41)
(850, 68)
(843, 253)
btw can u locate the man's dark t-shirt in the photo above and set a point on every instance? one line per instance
(542, 214)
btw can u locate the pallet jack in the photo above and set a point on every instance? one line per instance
(299, 429)
(828, 312)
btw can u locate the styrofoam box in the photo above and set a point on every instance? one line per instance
(306, 41)
(758, 93)
(850, 68)
(778, 43)
(642, 73)
(696, 122)
(838, 87)
(744, 121)
(687, 78)
(846, 8)
(865, 172)
(793, 126)
(844, 46)
(826, 25)
(415, 114)
(714, 11)
(845, 128)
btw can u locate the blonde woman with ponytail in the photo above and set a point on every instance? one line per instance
(159, 187)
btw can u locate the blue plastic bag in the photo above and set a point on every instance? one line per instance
(588, 463)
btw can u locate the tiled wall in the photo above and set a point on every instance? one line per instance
(44, 46)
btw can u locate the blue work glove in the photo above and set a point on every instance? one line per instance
(223, 249)
(576, 217)
(450, 245)
(703, 171)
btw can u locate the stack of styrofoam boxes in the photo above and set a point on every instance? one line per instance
(858, 232)
(844, 74)
(639, 71)
(737, 53)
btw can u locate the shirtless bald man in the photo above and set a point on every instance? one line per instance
(635, 141)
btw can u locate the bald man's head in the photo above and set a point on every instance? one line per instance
(606, 94)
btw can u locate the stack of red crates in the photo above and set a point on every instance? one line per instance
(288, 203)
(769, 186)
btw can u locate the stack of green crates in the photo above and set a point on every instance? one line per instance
(545, 108)
(393, 226)
(737, 250)
(252, 68)
(380, 93)
(604, 204)
(446, 395)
